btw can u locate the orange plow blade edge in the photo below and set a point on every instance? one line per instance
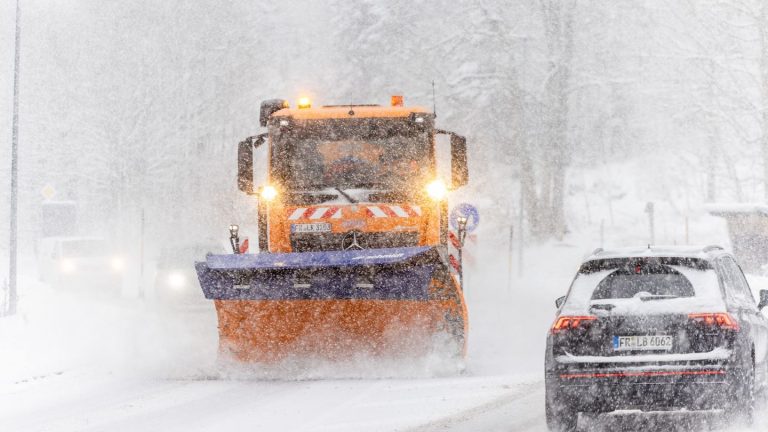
(333, 305)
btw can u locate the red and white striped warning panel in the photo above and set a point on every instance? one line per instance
(372, 211)
(453, 250)
(315, 213)
(392, 211)
(454, 239)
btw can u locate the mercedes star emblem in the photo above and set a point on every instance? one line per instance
(350, 241)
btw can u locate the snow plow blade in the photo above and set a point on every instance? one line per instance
(381, 302)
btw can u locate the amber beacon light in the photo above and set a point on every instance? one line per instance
(305, 103)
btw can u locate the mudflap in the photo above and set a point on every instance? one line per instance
(381, 302)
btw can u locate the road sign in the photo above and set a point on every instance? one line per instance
(468, 211)
(48, 192)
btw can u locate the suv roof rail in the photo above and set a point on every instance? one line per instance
(597, 251)
(711, 248)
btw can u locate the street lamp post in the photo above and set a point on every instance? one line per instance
(462, 234)
(12, 282)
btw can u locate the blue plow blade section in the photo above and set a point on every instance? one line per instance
(386, 274)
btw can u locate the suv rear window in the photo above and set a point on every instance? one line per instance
(655, 281)
(673, 281)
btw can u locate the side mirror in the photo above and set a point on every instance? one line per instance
(245, 162)
(269, 107)
(559, 302)
(245, 166)
(763, 299)
(459, 169)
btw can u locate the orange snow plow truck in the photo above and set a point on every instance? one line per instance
(355, 253)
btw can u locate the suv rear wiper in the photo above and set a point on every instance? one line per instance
(604, 306)
(658, 297)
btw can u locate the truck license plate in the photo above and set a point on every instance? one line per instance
(642, 343)
(311, 228)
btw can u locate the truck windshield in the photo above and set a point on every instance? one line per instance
(387, 154)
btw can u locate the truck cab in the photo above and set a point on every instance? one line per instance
(80, 262)
(350, 176)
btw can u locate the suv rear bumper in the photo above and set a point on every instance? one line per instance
(657, 388)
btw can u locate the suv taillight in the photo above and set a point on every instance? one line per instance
(567, 322)
(721, 320)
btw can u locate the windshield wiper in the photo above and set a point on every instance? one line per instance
(311, 197)
(347, 196)
(604, 306)
(657, 297)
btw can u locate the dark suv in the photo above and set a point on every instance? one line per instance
(656, 329)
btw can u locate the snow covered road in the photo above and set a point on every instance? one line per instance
(72, 401)
(521, 408)
(75, 363)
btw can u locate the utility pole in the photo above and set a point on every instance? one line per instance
(510, 254)
(141, 257)
(649, 208)
(602, 233)
(520, 237)
(12, 279)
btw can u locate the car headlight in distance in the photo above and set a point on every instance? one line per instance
(117, 264)
(67, 266)
(176, 280)
(437, 190)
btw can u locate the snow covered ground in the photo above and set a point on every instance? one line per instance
(80, 401)
(74, 364)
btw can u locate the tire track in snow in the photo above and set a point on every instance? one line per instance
(502, 413)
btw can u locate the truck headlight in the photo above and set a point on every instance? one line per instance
(268, 193)
(437, 190)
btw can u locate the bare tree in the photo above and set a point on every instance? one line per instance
(544, 164)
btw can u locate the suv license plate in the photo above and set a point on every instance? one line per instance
(311, 228)
(642, 343)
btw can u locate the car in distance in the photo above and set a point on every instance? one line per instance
(176, 284)
(80, 262)
(656, 329)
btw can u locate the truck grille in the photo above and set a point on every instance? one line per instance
(306, 242)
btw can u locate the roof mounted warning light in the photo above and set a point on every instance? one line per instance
(397, 100)
(305, 103)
